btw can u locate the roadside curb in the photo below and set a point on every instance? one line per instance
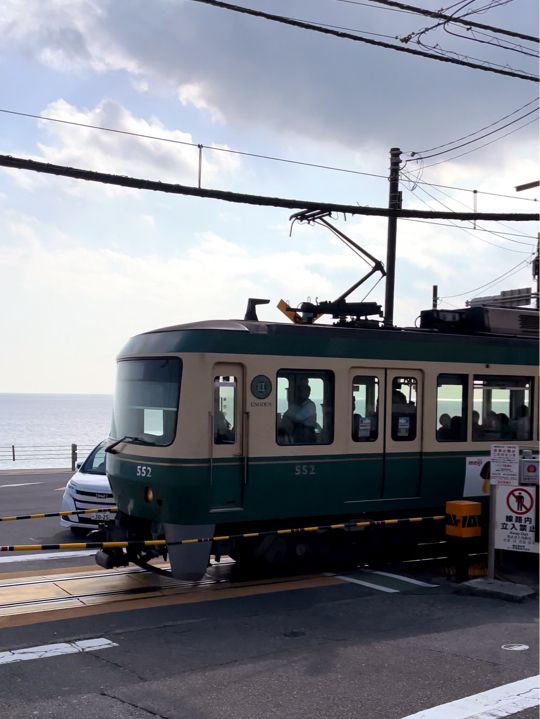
(48, 470)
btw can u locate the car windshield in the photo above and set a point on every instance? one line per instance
(95, 462)
(146, 400)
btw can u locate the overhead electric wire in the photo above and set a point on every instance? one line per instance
(480, 239)
(248, 199)
(439, 15)
(498, 43)
(481, 129)
(513, 270)
(476, 228)
(516, 242)
(196, 145)
(455, 157)
(348, 36)
(481, 137)
(250, 154)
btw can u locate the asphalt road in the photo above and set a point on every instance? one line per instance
(346, 650)
(33, 492)
(332, 652)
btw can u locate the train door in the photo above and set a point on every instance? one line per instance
(365, 478)
(227, 452)
(403, 435)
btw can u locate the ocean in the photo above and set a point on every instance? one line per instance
(42, 428)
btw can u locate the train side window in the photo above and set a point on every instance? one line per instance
(502, 408)
(404, 399)
(305, 407)
(224, 409)
(452, 407)
(365, 408)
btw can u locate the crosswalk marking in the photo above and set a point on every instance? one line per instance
(402, 578)
(492, 704)
(389, 582)
(54, 650)
(370, 585)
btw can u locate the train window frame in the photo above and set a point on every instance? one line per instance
(316, 429)
(458, 432)
(365, 428)
(500, 382)
(223, 431)
(171, 421)
(404, 422)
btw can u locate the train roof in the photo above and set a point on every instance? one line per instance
(318, 340)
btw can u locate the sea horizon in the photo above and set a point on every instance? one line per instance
(40, 428)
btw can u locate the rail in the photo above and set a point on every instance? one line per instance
(42, 456)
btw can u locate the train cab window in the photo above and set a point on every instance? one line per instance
(365, 408)
(305, 407)
(452, 407)
(146, 400)
(404, 401)
(502, 408)
(224, 409)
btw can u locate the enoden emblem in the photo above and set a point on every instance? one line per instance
(261, 386)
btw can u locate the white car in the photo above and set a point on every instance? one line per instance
(88, 488)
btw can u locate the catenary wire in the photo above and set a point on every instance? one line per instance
(493, 232)
(480, 239)
(248, 154)
(513, 270)
(476, 229)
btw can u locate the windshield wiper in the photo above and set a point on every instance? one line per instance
(127, 438)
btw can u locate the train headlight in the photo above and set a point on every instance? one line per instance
(149, 494)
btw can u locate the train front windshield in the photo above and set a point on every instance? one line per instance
(146, 400)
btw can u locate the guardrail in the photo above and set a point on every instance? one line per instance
(64, 455)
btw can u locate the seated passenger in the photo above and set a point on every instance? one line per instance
(521, 424)
(477, 432)
(299, 421)
(456, 428)
(505, 430)
(444, 433)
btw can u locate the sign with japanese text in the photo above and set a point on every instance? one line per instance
(504, 464)
(515, 518)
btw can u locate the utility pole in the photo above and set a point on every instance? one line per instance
(394, 203)
(536, 272)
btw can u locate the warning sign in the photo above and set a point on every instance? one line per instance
(515, 526)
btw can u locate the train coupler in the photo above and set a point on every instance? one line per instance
(111, 558)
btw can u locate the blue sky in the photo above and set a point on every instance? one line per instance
(83, 267)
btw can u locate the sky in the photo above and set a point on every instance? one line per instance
(85, 266)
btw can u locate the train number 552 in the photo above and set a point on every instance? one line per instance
(144, 471)
(303, 469)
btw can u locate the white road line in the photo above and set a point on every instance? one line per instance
(21, 484)
(38, 556)
(493, 704)
(401, 578)
(55, 650)
(378, 587)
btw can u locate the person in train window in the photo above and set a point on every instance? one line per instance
(300, 419)
(403, 417)
(477, 432)
(444, 433)
(505, 430)
(223, 434)
(521, 423)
